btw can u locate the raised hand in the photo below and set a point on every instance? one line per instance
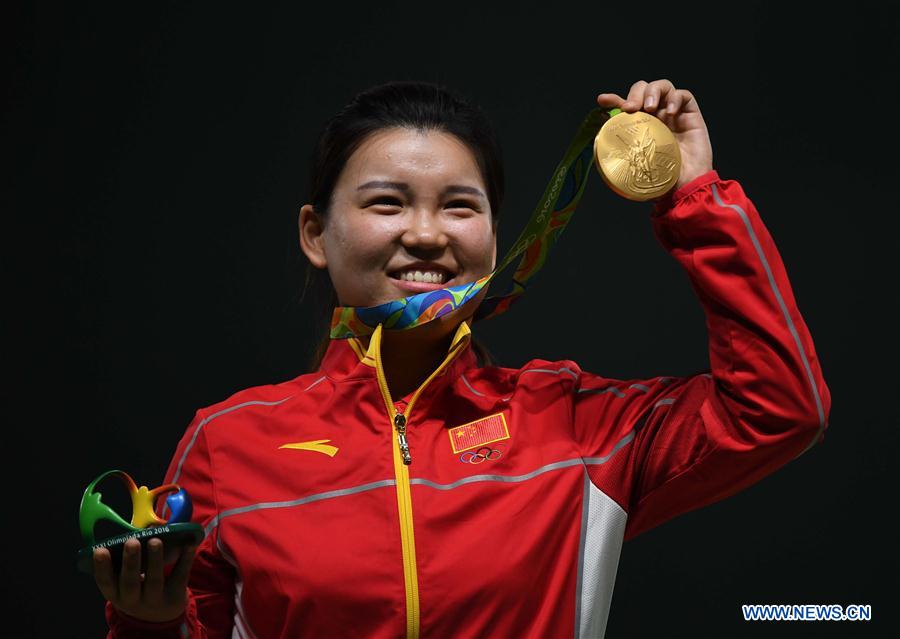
(678, 110)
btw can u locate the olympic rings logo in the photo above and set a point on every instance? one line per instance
(483, 454)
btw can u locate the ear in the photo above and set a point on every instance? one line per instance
(311, 241)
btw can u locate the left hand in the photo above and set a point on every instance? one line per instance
(678, 110)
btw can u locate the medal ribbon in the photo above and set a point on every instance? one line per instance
(546, 224)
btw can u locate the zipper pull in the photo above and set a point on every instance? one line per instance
(400, 424)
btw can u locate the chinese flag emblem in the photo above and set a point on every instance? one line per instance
(478, 433)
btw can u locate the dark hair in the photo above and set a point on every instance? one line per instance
(416, 105)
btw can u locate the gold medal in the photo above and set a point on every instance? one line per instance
(637, 155)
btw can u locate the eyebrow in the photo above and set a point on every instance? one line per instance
(403, 186)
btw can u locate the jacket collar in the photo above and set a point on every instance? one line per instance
(350, 359)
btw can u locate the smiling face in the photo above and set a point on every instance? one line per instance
(406, 200)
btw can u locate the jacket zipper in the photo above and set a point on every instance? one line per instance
(402, 459)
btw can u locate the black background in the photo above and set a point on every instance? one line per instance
(151, 264)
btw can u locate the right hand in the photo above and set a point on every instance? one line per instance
(678, 110)
(151, 596)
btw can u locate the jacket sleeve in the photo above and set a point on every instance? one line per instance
(663, 446)
(211, 585)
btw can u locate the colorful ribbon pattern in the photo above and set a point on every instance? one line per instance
(546, 224)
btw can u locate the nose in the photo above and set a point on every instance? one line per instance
(424, 230)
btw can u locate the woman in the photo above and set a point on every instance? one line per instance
(405, 487)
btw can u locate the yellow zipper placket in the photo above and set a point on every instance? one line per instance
(402, 459)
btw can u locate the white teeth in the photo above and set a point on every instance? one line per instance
(430, 277)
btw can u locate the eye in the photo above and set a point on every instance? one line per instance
(463, 204)
(385, 201)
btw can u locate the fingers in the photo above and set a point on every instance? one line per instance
(688, 103)
(659, 96)
(130, 577)
(179, 576)
(674, 101)
(635, 99)
(154, 577)
(170, 554)
(653, 95)
(642, 95)
(152, 596)
(610, 100)
(103, 574)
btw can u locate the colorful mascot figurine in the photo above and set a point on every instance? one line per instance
(176, 531)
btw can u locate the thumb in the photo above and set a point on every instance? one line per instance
(610, 100)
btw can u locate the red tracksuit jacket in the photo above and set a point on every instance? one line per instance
(524, 482)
